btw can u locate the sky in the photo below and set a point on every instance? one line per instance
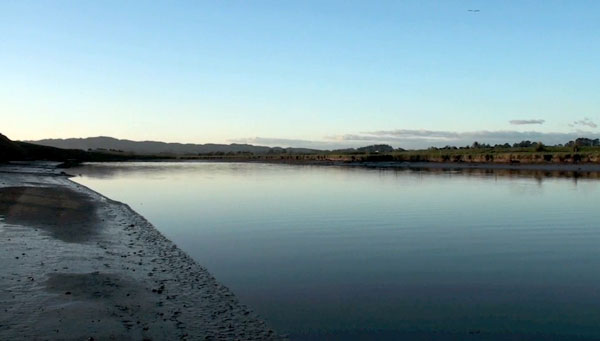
(305, 73)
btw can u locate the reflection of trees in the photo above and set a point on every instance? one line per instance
(538, 175)
(148, 169)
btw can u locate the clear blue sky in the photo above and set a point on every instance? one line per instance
(330, 72)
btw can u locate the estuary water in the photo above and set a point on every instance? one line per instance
(354, 253)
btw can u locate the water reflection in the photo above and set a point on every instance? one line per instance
(351, 253)
(108, 170)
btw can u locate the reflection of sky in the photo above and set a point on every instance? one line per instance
(329, 248)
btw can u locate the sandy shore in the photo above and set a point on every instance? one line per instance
(77, 265)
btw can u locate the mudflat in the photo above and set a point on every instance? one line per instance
(77, 265)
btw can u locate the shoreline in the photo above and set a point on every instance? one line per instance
(583, 170)
(548, 166)
(82, 266)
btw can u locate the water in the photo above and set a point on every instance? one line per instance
(350, 253)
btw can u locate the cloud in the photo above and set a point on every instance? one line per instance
(297, 143)
(585, 122)
(402, 134)
(523, 122)
(269, 141)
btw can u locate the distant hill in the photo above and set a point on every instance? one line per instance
(23, 151)
(158, 148)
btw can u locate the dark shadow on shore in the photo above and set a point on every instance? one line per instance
(90, 286)
(64, 213)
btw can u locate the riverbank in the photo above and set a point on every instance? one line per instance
(550, 167)
(574, 170)
(77, 265)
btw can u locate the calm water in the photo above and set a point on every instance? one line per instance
(326, 252)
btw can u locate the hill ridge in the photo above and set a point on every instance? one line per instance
(159, 147)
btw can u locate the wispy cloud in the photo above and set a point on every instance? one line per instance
(585, 122)
(297, 143)
(525, 122)
(269, 141)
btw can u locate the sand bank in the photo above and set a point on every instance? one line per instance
(77, 265)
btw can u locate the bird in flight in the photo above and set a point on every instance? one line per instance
(473, 10)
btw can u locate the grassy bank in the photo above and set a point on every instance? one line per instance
(531, 155)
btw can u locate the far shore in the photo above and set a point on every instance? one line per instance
(587, 167)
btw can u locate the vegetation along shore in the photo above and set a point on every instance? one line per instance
(581, 153)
